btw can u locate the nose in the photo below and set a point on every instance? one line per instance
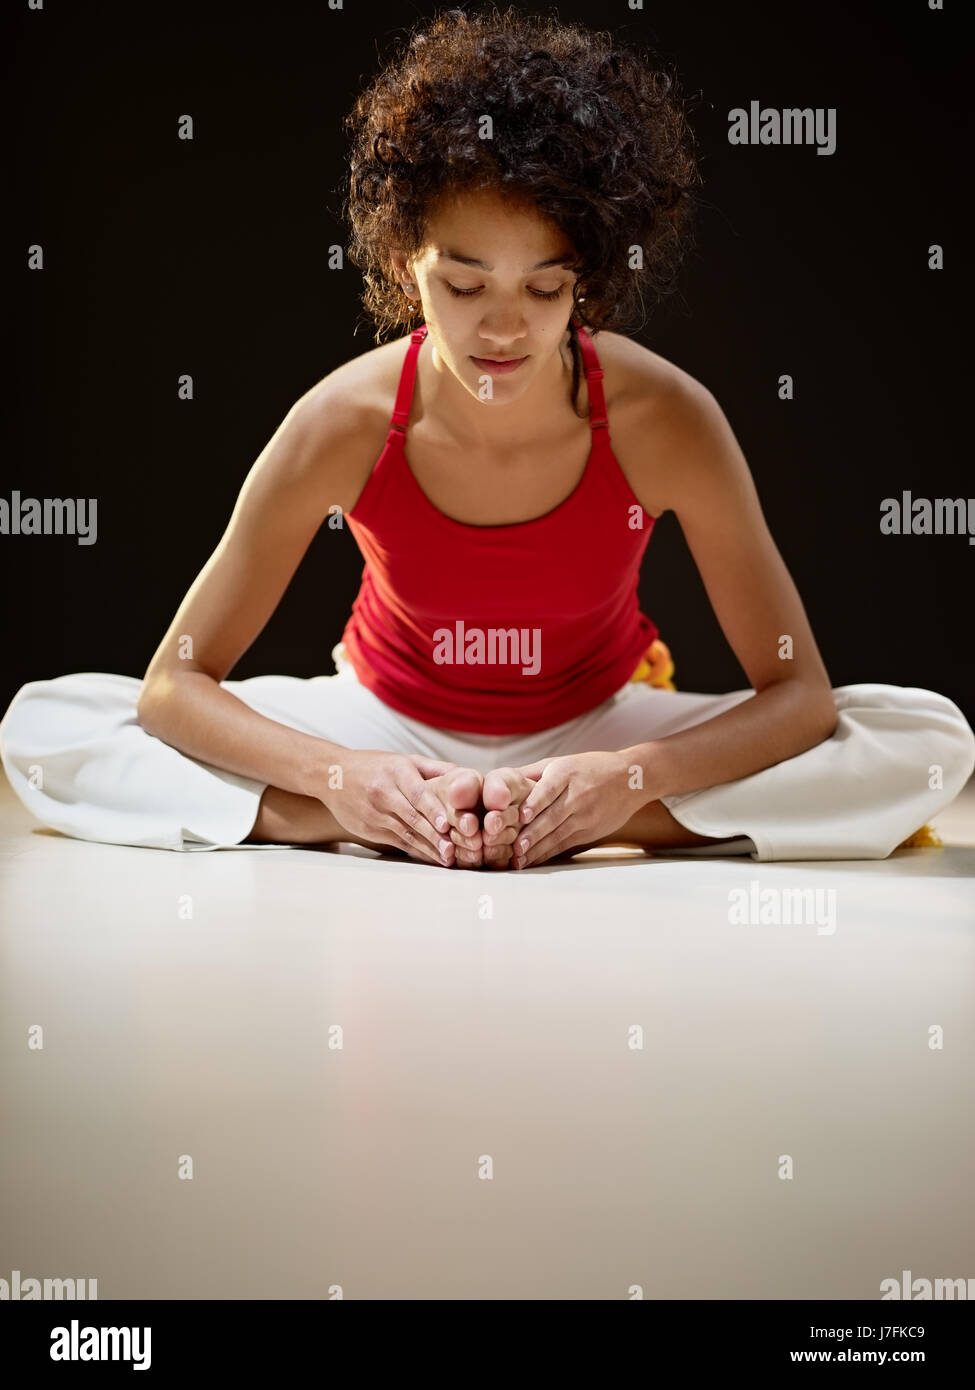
(502, 331)
(502, 345)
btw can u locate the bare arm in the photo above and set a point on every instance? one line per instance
(755, 601)
(281, 505)
(378, 796)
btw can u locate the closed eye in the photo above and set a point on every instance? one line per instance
(539, 294)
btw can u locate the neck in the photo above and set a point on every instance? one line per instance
(542, 410)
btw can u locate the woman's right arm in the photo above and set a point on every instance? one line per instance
(281, 505)
(278, 511)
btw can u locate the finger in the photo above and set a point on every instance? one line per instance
(534, 770)
(442, 852)
(558, 842)
(547, 790)
(415, 827)
(571, 837)
(461, 827)
(431, 767)
(431, 814)
(404, 838)
(545, 823)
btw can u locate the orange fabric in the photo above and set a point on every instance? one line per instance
(656, 666)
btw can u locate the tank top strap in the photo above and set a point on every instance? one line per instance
(404, 393)
(594, 376)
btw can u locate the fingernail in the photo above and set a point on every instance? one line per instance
(527, 812)
(441, 824)
(523, 846)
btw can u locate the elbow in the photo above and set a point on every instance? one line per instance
(147, 706)
(817, 719)
(811, 711)
(142, 710)
(826, 717)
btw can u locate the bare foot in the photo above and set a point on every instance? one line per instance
(502, 794)
(460, 792)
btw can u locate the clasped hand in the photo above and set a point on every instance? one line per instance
(551, 807)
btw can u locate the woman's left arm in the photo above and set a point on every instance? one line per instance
(581, 797)
(710, 489)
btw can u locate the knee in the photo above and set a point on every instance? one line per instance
(917, 726)
(46, 714)
(952, 738)
(17, 716)
(966, 755)
(947, 716)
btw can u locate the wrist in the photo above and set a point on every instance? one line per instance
(326, 771)
(643, 761)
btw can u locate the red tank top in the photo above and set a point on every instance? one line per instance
(498, 629)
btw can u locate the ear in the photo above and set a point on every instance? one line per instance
(399, 266)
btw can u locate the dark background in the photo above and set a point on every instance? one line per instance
(209, 257)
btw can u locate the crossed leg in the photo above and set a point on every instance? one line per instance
(292, 819)
(650, 827)
(483, 815)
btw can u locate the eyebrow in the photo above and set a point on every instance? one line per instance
(483, 265)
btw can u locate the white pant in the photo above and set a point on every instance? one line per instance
(80, 762)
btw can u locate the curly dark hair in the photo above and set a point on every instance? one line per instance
(591, 133)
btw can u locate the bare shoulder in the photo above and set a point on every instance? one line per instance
(654, 408)
(347, 413)
(351, 393)
(643, 374)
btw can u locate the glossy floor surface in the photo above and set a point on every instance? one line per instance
(276, 1073)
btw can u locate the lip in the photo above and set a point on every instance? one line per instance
(503, 366)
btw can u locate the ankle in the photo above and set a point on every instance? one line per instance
(653, 827)
(290, 818)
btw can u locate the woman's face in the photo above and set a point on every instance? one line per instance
(492, 285)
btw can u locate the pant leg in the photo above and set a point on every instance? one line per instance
(80, 761)
(898, 756)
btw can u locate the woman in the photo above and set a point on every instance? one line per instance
(518, 187)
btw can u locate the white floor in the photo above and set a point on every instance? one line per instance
(491, 1126)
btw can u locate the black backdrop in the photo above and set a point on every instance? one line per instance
(209, 257)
